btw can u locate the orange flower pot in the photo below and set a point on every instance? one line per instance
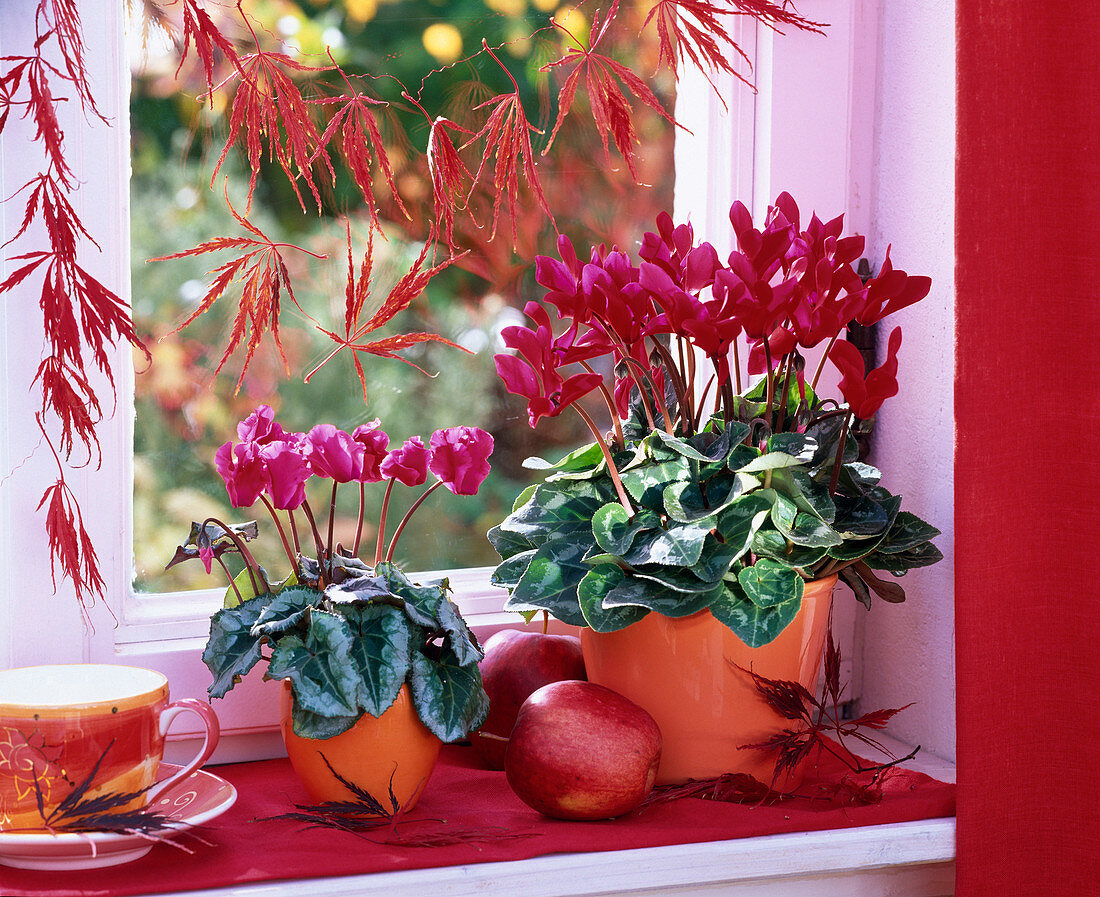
(393, 750)
(684, 672)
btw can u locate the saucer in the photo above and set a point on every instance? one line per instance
(200, 797)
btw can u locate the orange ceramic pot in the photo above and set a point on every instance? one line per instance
(683, 672)
(394, 749)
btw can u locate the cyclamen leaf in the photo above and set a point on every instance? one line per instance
(448, 696)
(319, 667)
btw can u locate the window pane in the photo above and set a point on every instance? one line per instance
(184, 413)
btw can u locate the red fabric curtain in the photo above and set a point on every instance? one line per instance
(1027, 466)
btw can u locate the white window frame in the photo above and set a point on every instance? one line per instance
(740, 153)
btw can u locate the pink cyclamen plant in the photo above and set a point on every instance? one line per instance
(272, 465)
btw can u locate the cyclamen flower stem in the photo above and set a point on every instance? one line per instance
(331, 522)
(359, 522)
(678, 384)
(644, 379)
(232, 581)
(698, 420)
(736, 367)
(609, 400)
(786, 365)
(611, 468)
(824, 358)
(770, 376)
(294, 533)
(382, 522)
(835, 478)
(316, 537)
(408, 514)
(293, 558)
(249, 560)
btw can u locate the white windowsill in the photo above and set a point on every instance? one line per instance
(908, 859)
(905, 859)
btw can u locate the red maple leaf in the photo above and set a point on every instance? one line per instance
(507, 136)
(68, 31)
(268, 108)
(68, 394)
(71, 548)
(697, 30)
(360, 141)
(611, 110)
(262, 273)
(200, 30)
(79, 313)
(357, 292)
(41, 108)
(449, 175)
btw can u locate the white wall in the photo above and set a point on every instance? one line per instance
(862, 121)
(913, 207)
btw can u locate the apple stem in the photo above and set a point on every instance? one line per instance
(489, 736)
(545, 622)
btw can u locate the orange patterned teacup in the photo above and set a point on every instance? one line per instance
(62, 725)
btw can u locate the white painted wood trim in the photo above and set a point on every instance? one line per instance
(909, 859)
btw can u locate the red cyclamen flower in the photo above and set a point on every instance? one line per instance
(533, 373)
(243, 470)
(334, 454)
(409, 463)
(374, 442)
(866, 393)
(260, 427)
(286, 470)
(459, 456)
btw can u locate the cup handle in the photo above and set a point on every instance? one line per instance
(209, 740)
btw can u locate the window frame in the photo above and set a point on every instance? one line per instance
(745, 150)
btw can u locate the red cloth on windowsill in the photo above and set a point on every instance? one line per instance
(459, 797)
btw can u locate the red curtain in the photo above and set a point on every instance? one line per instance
(1027, 465)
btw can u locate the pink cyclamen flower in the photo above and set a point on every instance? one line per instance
(409, 463)
(374, 442)
(243, 470)
(206, 555)
(459, 456)
(866, 393)
(334, 454)
(287, 470)
(260, 427)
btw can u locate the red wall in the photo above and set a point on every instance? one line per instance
(1027, 469)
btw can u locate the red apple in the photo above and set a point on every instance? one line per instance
(516, 663)
(582, 751)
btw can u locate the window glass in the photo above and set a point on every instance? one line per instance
(184, 412)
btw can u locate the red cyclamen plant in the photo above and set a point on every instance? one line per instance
(709, 491)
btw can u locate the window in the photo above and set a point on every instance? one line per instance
(780, 138)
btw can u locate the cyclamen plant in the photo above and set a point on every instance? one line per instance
(347, 634)
(706, 494)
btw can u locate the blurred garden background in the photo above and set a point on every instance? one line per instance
(184, 413)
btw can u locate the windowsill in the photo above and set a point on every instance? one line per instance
(907, 859)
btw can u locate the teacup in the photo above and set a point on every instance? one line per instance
(62, 726)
